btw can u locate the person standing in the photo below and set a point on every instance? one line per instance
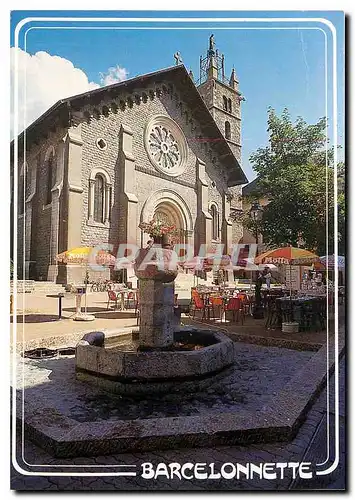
(267, 277)
(258, 312)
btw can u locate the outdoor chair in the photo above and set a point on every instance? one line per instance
(287, 311)
(217, 303)
(246, 303)
(112, 297)
(199, 304)
(130, 300)
(272, 312)
(235, 306)
(315, 313)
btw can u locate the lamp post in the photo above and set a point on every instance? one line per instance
(256, 214)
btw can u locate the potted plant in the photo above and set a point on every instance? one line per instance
(162, 265)
(160, 232)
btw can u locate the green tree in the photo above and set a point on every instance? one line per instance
(295, 172)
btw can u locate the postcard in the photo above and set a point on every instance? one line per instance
(178, 285)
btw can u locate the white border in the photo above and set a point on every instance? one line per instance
(332, 28)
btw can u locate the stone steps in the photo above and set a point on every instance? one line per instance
(38, 287)
(26, 286)
(48, 287)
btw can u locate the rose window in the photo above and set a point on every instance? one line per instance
(163, 147)
(166, 145)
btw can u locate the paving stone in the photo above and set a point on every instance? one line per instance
(221, 454)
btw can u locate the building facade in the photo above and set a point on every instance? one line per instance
(95, 165)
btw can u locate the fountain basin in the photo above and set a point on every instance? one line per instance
(124, 369)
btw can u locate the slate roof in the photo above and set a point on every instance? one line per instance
(61, 112)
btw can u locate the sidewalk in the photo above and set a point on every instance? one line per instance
(37, 316)
(310, 444)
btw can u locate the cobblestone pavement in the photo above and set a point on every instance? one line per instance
(259, 373)
(310, 444)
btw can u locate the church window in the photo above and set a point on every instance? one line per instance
(99, 194)
(101, 144)
(214, 213)
(227, 130)
(225, 103)
(50, 163)
(230, 105)
(166, 145)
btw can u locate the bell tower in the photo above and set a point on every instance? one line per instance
(222, 96)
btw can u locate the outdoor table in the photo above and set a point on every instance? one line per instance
(60, 297)
(297, 308)
(122, 293)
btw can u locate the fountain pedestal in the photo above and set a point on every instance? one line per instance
(156, 308)
(167, 357)
(156, 269)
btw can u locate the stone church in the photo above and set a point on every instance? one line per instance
(97, 164)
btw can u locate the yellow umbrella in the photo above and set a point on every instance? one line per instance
(86, 255)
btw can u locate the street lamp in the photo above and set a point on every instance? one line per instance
(256, 215)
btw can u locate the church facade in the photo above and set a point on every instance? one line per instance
(95, 165)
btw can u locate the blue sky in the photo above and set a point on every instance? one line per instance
(276, 67)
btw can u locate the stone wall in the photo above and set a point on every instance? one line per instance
(36, 232)
(105, 122)
(213, 92)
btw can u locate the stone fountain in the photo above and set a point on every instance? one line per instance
(161, 356)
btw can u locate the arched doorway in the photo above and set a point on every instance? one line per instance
(170, 214)
(170, 207)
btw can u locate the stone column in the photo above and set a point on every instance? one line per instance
(91, 198)
(128, 199)
(29, 216)
(73, 145)
(107, 202)
(156, 314)
(156, 269)
(205, 223)
(56, 192)
(27, 236)
(227, 226)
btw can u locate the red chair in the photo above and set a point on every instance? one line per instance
(112, 297)
(217, 302)
(246, 303)
(130, 300)
(198, 304)
(236, 306)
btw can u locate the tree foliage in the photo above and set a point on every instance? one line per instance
(296, 174)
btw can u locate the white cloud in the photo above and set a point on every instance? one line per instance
(113, 75)
(43, 80)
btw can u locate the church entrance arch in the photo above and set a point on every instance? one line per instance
(169, 207)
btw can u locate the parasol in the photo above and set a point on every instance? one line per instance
(330, 259)
(86, 256)
(293, 256)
